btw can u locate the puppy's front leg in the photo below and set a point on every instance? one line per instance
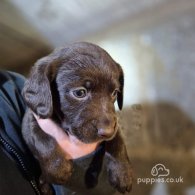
(118, 164)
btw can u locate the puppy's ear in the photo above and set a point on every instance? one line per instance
(36, 92)
(120, 94)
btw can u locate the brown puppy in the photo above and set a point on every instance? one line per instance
(76, 86)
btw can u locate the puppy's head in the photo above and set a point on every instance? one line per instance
(79, 83)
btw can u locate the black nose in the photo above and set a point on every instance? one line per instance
(106, 132)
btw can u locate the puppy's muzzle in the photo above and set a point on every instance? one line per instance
(105, 133)
(107, 129)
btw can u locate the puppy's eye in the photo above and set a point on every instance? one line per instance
(80, 92)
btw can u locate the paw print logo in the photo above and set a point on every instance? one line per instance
(160, 170)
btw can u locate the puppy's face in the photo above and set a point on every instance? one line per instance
(80, 84)
(87, 95)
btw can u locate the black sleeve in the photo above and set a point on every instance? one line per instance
(12, 108)
(11, 143)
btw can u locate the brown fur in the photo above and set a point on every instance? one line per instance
(50, 92)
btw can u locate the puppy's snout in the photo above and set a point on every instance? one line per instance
(107, 129)
(105, 133)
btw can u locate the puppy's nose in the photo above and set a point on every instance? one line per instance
(106, 127)
(105, 132)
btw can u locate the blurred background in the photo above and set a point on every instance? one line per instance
(154, 41)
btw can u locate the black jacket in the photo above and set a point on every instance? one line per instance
(19, 171)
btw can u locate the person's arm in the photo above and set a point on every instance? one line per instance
(14, 155)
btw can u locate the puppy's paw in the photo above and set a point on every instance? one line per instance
(58, 171)
(45, 187)
(120, 176)
(63, 172)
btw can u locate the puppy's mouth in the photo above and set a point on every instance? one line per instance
(82, 142)
(98, 135)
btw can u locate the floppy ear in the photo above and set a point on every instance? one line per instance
(120, 94)
(36, 91)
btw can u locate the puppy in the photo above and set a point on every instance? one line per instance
(76, 86)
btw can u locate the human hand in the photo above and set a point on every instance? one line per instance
(72, 147)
